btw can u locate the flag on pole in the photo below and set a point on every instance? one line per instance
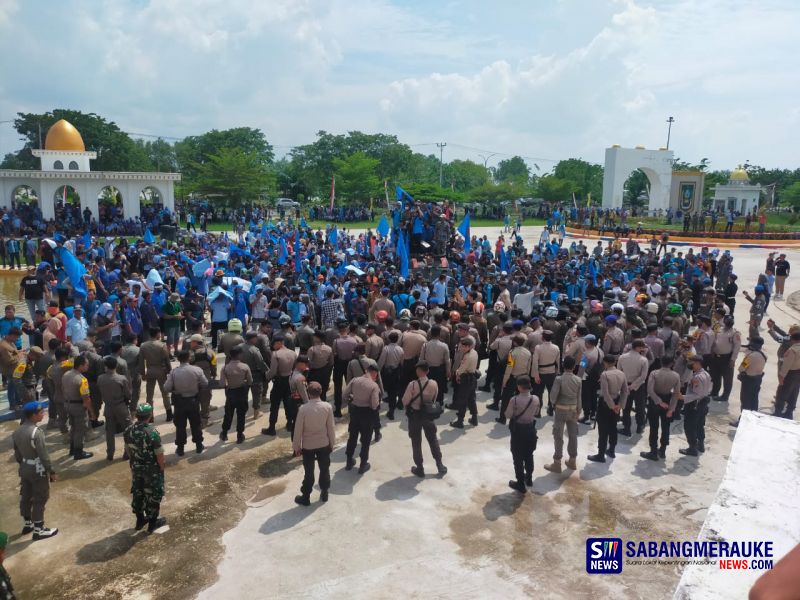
(75, 271)
(402, 252)
(297, 266)
(383, 227)
(463, 229)
(283, 253)
(386, 192)
(264, 229)
(574, 202)
(403, 196)
(589, 199)
(503, 259)
(333, 190)
(148, 237)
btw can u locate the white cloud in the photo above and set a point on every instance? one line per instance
(7, 10)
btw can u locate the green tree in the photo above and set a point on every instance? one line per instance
(116, 151)
(494, 194)
(193, 151)
(431, 192)
(464, 175)
(586, 177)
(233, 176)
(355, 177)
(160, 154)
(513, 170)
(636, 189)
(791, 195)
(555, 189)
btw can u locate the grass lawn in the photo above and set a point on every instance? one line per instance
(777, 222)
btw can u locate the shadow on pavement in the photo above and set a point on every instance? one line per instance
(399, 488)
(110, 547)
(502, 505)
(288, 518)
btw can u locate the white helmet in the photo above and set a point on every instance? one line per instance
(405, 313)
(651, 307)
(617, 306)
(499, 306)
(551, 312)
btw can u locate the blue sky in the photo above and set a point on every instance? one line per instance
(546, 79)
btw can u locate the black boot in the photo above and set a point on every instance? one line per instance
(80, 454)
(390, 415)
(350, 463)
(199, 447)
(473, 420)
(155, 523)
(140, 521)
(458, 424)
(302, 500)
(364, 467)
(690, 451)
(239, 438)
(662, 452)
(179, 450)
(223, 435)
(610, 452)
(596, 458)
(652, 455)
(518, 486)
(169, 415)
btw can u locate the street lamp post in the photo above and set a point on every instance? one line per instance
(670, 121)
(441, 146)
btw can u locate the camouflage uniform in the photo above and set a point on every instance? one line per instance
(143, 444)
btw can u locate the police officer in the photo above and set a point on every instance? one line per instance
(143, 444)
(518, 364)
(663, 391)
(280, 369)
(154, 366)
(466, 383)
(320, 361)
(185, 383)
(236, 378)
(437, 355)
(35, 471)
(411, 342)
(298, 386)
(374, 343)
(751, 373)
(590, 369)
(695, 405)
(75, 388)
(788, 379)
(204, 357)
(116, 392)
(231, 338)
(521, 413)
(567, 404)
(724, 351)
(343, 347)
(363, 395)
(252, 357)
(419, 394)
(130, 354)
(614, 391)
(314, 437)
(635, 366)
(545, 363)
(501, 346)
(390, 363)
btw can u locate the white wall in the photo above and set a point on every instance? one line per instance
(621, 162)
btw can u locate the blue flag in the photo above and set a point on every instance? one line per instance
(283, 254)
(264, 229)
(402, 252)
(86, 240)
(403, 196)
(75, 271)
(383, 227)
(303, 223)
(503, 259)
(463, 229)
(593, 271)
(148, 237)
(333, 236)
(297, 266)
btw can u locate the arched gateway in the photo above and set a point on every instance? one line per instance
(655, 164)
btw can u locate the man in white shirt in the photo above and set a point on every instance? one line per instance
(77, 327)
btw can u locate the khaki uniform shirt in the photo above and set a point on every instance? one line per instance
(662, 382)
(282, 363)
(567, 391)
(319, 356)
(391, 357)
(314, 426)
(373, 346)
(635, 366)
(502, 345)
(29, 445)
(613, 341)
(412, 343)
(343, 347)
(115, 389)
(517, 410)
(74, 386)
(363, 392)
(430, 391)
(236, 374)
(469, 363)
(753, 363)
(186, 381)
(436, 354)
(791, 361)
(545, 359)
(154, 360)
(614, 385)
(727, 341)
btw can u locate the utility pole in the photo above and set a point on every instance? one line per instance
(671, 120)
(441, 163)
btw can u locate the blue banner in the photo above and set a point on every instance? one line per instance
(463, 229)
(383, 227)
(75, 271)
(402, 252)
(148, 237)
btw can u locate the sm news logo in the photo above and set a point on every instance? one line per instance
(603, 555)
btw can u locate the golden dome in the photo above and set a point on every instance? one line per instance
(739, 174)
(63, 136)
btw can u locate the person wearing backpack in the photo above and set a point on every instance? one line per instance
(521, 414)
(422, 409)
(751, 372)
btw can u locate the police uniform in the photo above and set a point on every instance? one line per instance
(614, 392)
(437, 355)
(751, 373)
(252, 357)
(390, 363)
(75, 388)
(418, 392)
(185, 383)
(320, 362)
(590, 369)
(206, 359)
(373, 346)
(411, 342)
(55, 375)
(521, 413)
(789, 373)
(663, 387)
(363, 397)
(635, 367)
(116, 392)
(545, 363)
(236, 377)
(695, 407)
(724, 351)
(567, 404)
(154, 366)
(518, 364)
(501, 346)
(343, 348)
(279, 371)
(35, 470)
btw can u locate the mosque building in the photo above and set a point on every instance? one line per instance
(65, 175)
(738, 194)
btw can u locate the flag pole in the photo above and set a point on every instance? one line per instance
(333, 192)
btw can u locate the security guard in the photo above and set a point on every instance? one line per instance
(437, 355)
(35, 471)
(663, 391)
(695, 406)
(614, 390)
(143, 444)
(154, 366)
(724, 351)
(252, 357)
(185, 383)
(545, 364)
(116, 392)
(363, 395)
(75, 388)
(419, 394)
(751, 373)
(320, 361)
(204, 357)
(521, 413)
(236, 378)
(279, 371)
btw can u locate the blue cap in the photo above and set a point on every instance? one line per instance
(590, 337)
(32, 406)
(611, 319)
(517, 323)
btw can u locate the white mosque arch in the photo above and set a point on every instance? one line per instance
(621, 162)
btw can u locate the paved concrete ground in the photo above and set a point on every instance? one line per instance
(384, 533)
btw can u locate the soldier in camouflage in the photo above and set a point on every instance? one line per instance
(146, 454)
